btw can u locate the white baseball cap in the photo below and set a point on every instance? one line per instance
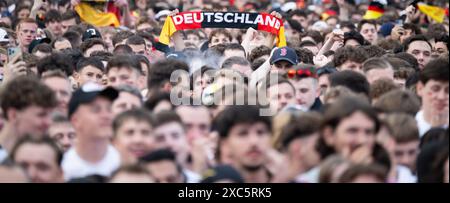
(162, 13)
(4, 37)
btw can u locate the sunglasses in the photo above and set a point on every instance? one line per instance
(302, 73)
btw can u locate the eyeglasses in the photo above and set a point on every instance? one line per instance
(302, 73)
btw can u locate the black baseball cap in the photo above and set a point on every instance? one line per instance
(88, 93)
(284, 54)
(91, 33)
(221, 173)
(36, 42)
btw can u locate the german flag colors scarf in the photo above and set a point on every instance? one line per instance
(95, 17)
(375, 10)
(434, 12)
(197, 20)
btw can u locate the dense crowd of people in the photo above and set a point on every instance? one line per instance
(341, 91)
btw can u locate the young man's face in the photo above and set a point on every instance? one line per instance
(139, 49)
(124, 102)
(107, 38)
(306, 150)
(165, 172)
(306, 92)
(245, 70)
(197, 121)
(421, 50)
(66, 24)
(353, 132)
(280, 96)
(26, 33)
(55, 28)
(351, 65)
(123, 76)
(219, 39)
(406, 154)
(376, 74)
(63, 91)
(400, 82)
(33, 120)
(24, 13)
(64, 135)
(94, 120)
(194, 39)
(408, 34)
(248, 145)
(369, 32)
(134, 138)
(281, 67)
(434, 96)
(173, 136)
(324, 85)
(39, 162)
(89, 74)
(440, 48)
(302, 20)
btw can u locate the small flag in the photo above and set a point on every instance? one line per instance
(436, 13)
(375, 10)
(97, 18)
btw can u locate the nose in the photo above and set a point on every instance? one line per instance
(33, 173)
(442, 95)
(66, 141)
(363, 139)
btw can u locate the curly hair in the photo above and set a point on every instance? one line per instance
(25, 91)
(349, 54)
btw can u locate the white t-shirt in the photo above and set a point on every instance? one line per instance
(75, 167)
(311, 176)
(191, 177)
(405, 175)
(3, 155)
(423, 125)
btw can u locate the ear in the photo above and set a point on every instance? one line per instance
(76, 75)
(11, 114)
(166, 87)
(295, 147)
(318, 90)
(419, 89)
(328, 136)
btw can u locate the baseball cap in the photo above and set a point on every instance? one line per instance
(91, 33)
(4, 37)
(284, 54)
(177, 56)
(162, 13)
(386, 29)
(221, 173)
(290, 6)
(36, 42)
(88, 93)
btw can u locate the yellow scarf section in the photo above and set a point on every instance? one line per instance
(96, 17)
(169, 29)
(436, 13)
